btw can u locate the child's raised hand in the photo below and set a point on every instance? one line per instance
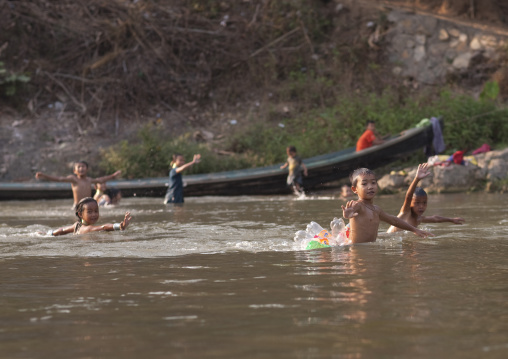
(126, 221)
(458, 220)
(349, 210)
(422, 171)
(117, 173)
(196, 158)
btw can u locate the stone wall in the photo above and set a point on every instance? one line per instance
(426, 49)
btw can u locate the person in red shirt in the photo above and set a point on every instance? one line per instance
(369, 138)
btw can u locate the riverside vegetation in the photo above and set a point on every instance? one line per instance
(257, 75)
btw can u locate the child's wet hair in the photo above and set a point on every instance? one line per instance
(81, 204)
(419, 192)
(79, 162)
(353, 177)
(291, 148)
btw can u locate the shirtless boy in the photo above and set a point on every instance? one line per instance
(80, 182)
(364, 216)
(415, 204)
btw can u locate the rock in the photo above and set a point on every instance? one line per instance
(497, 169)
(419, 53)
(391, 183)
(475, 44)
(443, 35)
(454, 32)
(455, 178)
(462, 61)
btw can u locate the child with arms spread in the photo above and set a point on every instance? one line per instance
(415, 204)
(81, 184)
(364, 216)
(87, 212)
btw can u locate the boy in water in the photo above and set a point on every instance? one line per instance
(81, 184)
(296, 167)
(415, 204)
(364, 216)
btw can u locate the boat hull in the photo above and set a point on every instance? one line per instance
(256, 181)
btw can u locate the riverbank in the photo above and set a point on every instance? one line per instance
(482, 172)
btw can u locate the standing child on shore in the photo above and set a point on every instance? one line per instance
(175, 189)
(296, 167)
(364, 216)
(87, 211)
(415, 204)
(81, 184)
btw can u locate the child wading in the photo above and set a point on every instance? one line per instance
(175, 190)
(415, 204)
(87, 212)
(296, 167)
(81, 184)
(364, 215)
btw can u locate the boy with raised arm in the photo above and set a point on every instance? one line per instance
(415, 204)
(364, 216)
(81, 184)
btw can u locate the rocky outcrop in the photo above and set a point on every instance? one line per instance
(487, 171)
(427, 49)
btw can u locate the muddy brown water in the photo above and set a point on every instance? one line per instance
(222, 278)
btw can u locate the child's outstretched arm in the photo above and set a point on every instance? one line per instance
(106, 178)
(196, 159)
(61, 231)
(114, 227)
(351, 209)
(397, 222)
(422, 172)
(284, 165)
(439, 219)
(70, 178)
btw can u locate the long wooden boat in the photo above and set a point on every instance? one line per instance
(254, 181)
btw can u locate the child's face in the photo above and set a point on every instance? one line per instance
(90, 213)
(80, 169)
(419, 205)
(291, 153)
(371, 126)
(346, 191)
(366, 186)
(180, 161)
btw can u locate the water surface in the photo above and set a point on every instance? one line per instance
(222, 278)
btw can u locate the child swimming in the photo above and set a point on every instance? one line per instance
(364, 216)
(81, 184)
(87, 212)
(415, 204)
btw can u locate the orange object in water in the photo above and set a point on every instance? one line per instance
(323, 237)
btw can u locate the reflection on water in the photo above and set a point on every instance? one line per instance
(220, 278)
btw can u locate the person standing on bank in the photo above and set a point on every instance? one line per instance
(175, 189)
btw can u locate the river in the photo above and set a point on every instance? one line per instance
(220, 277)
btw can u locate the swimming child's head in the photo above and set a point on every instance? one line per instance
(177, 160)
(291, 151)
(87, 210)
(80, 168)
(345, 191)
(419, 201)
(353, 177)
(364, 183)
